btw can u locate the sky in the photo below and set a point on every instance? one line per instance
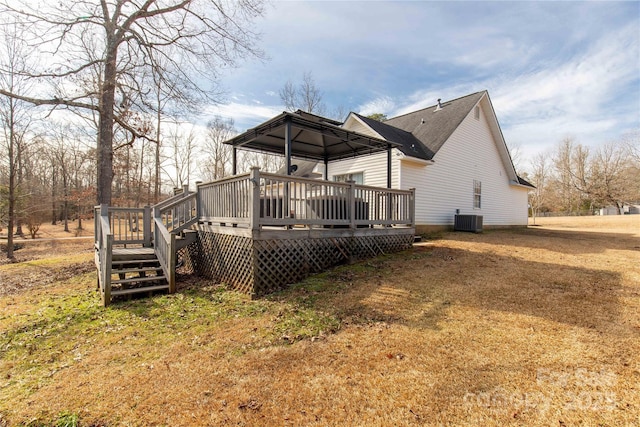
(553, 69)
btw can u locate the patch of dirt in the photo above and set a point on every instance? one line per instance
(37, 249)
(38, 276)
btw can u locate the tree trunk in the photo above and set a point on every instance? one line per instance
(156, 190)
(65, 208)
(12, 182)
(53, 194)
(19, 177)
(105, 132)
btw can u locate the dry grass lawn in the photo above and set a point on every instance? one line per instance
(539, 326)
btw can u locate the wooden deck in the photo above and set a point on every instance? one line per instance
(257, 232)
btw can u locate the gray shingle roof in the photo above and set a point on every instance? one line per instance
(411, 146)
(524, 182)
(438, 125)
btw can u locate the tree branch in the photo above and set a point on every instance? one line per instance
(54, 101)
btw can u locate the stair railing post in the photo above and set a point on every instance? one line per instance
(146, 224)
(104, 210)
(172, 264)
(106, 275)
(254, 219)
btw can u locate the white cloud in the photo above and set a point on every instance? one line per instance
(383, 104)
(245, 116)
(577, 96)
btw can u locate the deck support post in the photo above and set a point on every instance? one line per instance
(412, 206)
(254, 202)
(352, 204)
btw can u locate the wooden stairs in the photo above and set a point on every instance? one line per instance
(133, 259)
(136, 270)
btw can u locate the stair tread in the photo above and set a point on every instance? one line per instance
(134, 270)
(137, 290)
(135, 261)
(138, 279)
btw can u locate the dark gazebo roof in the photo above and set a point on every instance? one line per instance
(312, 137)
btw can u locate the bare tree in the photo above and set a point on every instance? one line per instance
(515, 151)
(608, 169)
(191, 36)
(218, 155)
(563, 178)
(182, 144)
(306, 96)
(539, 178)
(15, 120)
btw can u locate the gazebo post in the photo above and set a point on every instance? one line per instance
(234, 161)
(389, 149)
(287, 143)
(287, 153)
(326, 168)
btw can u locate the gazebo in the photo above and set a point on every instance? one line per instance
(311, 137)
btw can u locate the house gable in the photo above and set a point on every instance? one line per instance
(434, 125)
(469, 161)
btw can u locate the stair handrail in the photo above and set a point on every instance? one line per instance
(182, 194)
(180, 214)
(104, 250)
(170, 217)
(165, 248)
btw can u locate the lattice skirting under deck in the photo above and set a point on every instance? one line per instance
(258, 267)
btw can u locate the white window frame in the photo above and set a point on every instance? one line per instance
(344, 177)
(477, 194)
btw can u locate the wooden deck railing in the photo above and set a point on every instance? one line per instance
(227, 200)
(264, 199)
(130, 226)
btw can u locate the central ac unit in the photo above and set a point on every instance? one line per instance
(471, 223)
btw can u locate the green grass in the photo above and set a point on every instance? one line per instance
(59, 331)
(64, 419)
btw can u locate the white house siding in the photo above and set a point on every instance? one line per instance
(373, 167)
(470, 154)
(413, 175)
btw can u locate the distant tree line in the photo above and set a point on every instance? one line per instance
(575, 179)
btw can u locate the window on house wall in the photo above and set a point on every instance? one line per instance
(477, 194)
(476, 113)
(358, 177)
